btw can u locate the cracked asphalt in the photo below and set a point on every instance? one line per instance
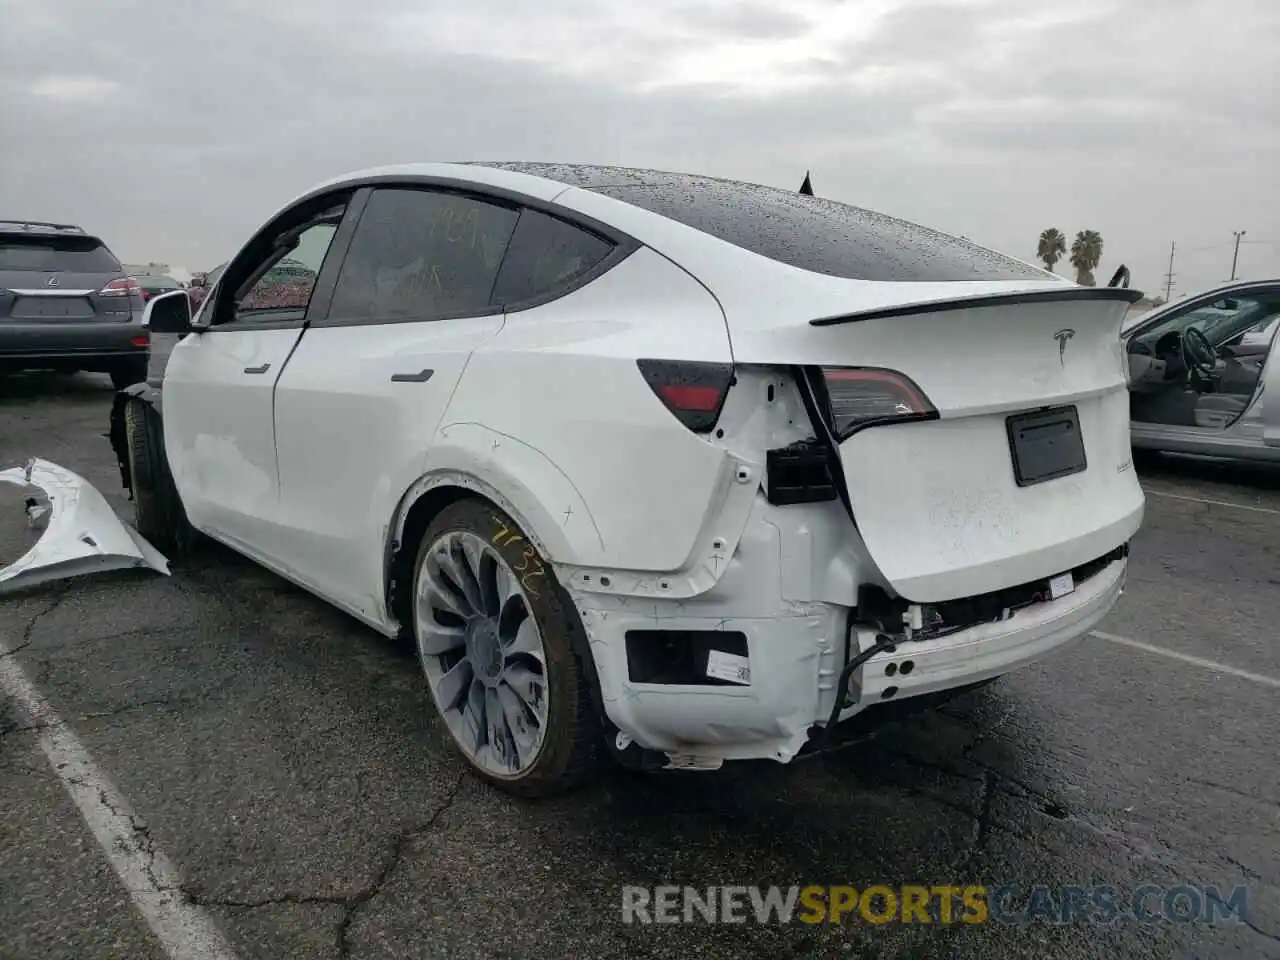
(285, 760)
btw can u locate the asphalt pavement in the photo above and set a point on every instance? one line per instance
(282, 760)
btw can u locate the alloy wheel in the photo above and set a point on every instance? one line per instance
(482, 652)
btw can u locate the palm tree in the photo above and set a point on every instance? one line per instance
(1052, 246)
(1086, 254)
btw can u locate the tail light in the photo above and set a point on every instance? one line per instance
(694, 392)
(123, 287)
(142, 340)
(860, 396)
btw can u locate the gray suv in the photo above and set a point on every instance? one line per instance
(66, 304)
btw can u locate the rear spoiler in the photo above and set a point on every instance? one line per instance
(1050, 295)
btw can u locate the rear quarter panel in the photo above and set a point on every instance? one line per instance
(555, 416)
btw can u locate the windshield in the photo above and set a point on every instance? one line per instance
(1219, 320)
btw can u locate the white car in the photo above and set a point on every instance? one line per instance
(1201, 374)
(672, 468)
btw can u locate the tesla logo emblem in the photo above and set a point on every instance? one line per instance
(1062, 336)
(52, 281)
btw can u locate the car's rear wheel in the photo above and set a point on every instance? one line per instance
(158, 512)
(494, 636)
(128, 372)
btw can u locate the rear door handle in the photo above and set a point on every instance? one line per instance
(422, 376)
(261, 369)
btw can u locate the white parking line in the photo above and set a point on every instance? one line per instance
(184, 930)
(1187, 658)
(1208, 502)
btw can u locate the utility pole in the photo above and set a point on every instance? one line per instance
(1168, 277)
(1235, 257)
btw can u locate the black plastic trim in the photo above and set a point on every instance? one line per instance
(819, 419)
(482, 191)
(422, 376)
(1016, 422)
(800, 464)
(1113, 294)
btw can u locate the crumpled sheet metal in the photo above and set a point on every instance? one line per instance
(82, 533)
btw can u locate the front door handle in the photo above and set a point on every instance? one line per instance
(422, 376)
(261, 369)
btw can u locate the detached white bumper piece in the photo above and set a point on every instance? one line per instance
(83, 534)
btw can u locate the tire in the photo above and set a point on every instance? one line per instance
(493, 630)
(157, 508)
(128, 372)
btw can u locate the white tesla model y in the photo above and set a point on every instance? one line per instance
(667, 467)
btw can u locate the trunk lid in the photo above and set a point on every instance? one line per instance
(59, 279)
(1024, 473)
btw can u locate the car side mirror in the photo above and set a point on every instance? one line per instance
(168, 313)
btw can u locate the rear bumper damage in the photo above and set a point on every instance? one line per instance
(82, 534)
(696, 711)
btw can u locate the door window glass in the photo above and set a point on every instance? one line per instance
(546, 254)
(422, 255)
(285, 281)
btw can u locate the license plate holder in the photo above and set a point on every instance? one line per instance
(1046, 445)
(50, 308)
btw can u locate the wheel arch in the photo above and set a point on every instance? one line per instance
(148, 393)
(428, 498)
(512, 476)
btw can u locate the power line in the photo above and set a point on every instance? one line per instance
(1212, 246)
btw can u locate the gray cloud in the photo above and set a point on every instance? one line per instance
(750, 20)
(176, 137)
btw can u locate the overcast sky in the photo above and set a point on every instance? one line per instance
(174, 134)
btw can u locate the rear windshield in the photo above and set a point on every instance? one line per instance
(50, 254)
(811, 233)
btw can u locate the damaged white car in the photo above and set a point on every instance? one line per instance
(676, 469)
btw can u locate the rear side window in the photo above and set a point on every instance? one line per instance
(546, 255)
(48, 254)
(422, 255)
